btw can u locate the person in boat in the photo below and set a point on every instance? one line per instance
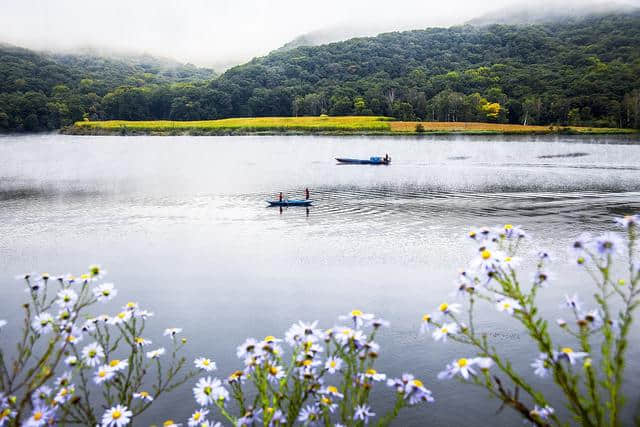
(387, 159)
(306, 193)
(280, 196)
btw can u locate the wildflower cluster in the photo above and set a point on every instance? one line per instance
(69, 362)
(326, 379)
(590, 378)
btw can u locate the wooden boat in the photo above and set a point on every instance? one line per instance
(290, 202)
(370, 161)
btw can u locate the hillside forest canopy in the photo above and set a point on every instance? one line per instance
(584, 72)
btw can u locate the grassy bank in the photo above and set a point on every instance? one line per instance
(317, 125)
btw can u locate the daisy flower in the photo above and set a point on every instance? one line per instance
(206, 364)
(117, 416)
(154, 354)
(275, 373)
(170, 423)
(208, 391)
(332, 391)
(172, 332)
(143, 395)
(300, 330)
(570, 355)
(309, 415)
(131, 306)
(572, 302)
(40, 396)
(508, 305)
(198, 417)
(42, 323)
(141, 342)
(416, 392)
(446, 308)
(358, 317)
(608, 244)
(462, 366)
(119, 318)
(72, 335)
(63, 380)
(425, 325)
(118, 365)
(105, 292)
(96, 271)
(374, 375)
(41, 415)
(377, 323)
(6, 414)
(142, 314)
(104, 373)
(250, 418)
(333, 364)
(445, 330)
(363, 412)
(483, 363)
(71, 361)
(92, 354)
(66, 298)
(247, 348)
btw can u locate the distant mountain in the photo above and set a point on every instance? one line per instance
(528, 13)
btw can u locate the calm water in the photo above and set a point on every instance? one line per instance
(182, 227)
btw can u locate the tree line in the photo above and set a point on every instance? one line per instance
(586, 72)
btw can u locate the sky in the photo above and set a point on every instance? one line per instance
(218, 32)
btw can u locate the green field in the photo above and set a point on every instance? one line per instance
(317, 124)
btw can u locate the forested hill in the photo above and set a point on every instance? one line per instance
(586, 72)
(40, 91)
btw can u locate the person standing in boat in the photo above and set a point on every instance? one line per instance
(306, 193)
(387, 158)
(280, 196)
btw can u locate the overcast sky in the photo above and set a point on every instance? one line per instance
(208, 32)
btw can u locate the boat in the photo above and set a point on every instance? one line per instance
(370, 161)
(290, 202)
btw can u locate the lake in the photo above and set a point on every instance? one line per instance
(182, 226)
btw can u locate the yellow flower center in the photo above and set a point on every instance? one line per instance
(472, 234)
(116, 414)
(269, 410)
(371, 372)
(269, 338)
(206, 362)
(102, 374)
(106, 293)
(94, 270)
(85, 277)
(92, 353)
(207, 390)
(332, 389)
(5, 413)
(508, 227)
(444, 330)
(131, 304)
(306, 362)
(417, 383)
(122, 315)
(325, 400)
(463, 362)
(139, 340)
(485, 254)
(144, 394)
(567, 350)
(114, 363)
(168, 423)
(356, 313)
(507, 259)
(197, 416)
(333, 364)
(426, 318)
(37, 416)
(273, 370)
(506, 304)
(443, 307)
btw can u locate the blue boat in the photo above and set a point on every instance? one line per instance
(290, 202)
(370, 161)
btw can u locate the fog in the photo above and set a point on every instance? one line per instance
(225, 32)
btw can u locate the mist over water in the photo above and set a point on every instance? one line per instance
(182, 226)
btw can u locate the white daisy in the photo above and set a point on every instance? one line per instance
(143, 395)
(105, 292)
(247, 348)
(508, 305)
(41, 416)
(442, 332)
(363, 412)
(143, 314)
(92, 354)
(119, 318)
(372, 374)
(570, 355)
(71, 361)
(198, 417)
(42, 323)
(154, 354)
(118, 365)
(333, 364)
(131, 306)
(208, 391)
(117, 416)
(66, 298)
(446, 308)
(104, 373)
(298, 331)
(541, 366)
(96, 271)
(462, 366)
(358, 317)
(205, 364)
(425, 325)
(141, 342)
(172, 332)
(572, 303)
(274, 373)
